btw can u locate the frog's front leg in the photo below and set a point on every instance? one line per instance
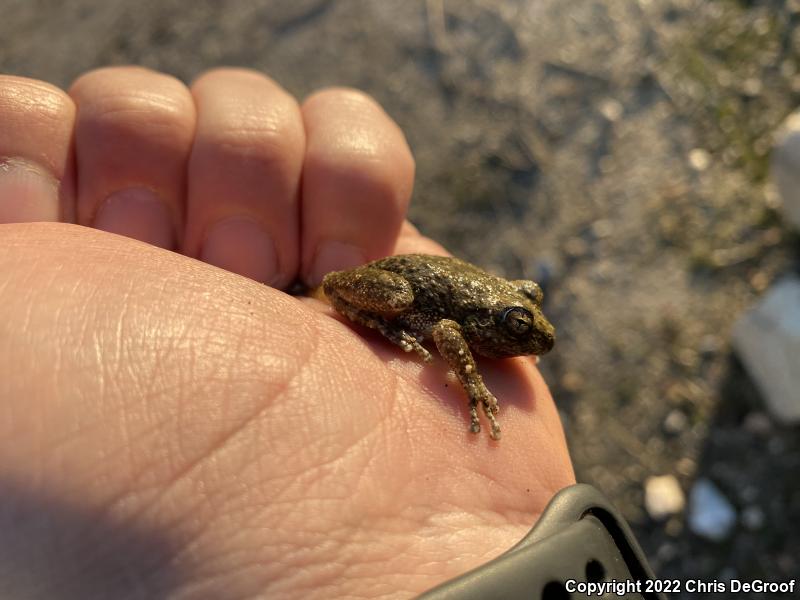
(371, 297)
(453, 347)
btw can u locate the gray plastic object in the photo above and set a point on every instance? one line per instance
(579, 538)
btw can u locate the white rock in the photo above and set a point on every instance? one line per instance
(711, 515)
(663, 496)
(767, 339)
(785, 167)
(676, 421)
(611, 109)
(699, 159)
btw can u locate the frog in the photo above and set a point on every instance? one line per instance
(465, 310)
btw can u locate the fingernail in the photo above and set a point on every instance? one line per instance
(239, 245)
(137, 213)
(334, 256)
(27, 193)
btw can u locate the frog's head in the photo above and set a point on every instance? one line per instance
(510, 329)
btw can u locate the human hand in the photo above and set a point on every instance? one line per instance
(171, 428)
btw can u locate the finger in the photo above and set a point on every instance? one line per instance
(132, 137)
(37, 179)
(244, 175)
(357, 180)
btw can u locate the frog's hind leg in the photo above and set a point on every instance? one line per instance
(368, 289)
(364, 295)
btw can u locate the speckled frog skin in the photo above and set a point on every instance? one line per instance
(414, 297)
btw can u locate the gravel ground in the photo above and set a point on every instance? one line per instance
(615, 150)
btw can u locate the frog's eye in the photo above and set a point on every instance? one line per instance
(519, 320)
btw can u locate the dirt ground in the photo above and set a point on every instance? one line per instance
(615, 150)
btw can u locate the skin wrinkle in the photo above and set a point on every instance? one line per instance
(356, 569)
(218, 447)
(153, 105)
(325, 554)
(59, 374)
(242, 140)
(330, 533)
(153, 392)
(313, 473)
(163, 136)
(255, 121)
(25, 98)
(251, 164)
(58, 444)
(355, 535)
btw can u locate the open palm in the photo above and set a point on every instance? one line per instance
(170, 428)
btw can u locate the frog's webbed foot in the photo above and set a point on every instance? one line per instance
(453, 347)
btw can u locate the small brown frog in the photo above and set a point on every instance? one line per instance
(413, 297)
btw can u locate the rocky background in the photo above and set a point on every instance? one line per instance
(615, 150)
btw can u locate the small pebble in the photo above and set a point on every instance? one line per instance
(699, 159)
(663, 496)
(675, 422)
(611, 109)
(752, 87)
(711, 515)
(602, 228)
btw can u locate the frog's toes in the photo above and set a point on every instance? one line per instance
(490, 405)
(408, 346)
(495, 434)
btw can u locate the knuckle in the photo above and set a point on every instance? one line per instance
(340, 96)
(134, 99)
(40, 100)
(268, 145)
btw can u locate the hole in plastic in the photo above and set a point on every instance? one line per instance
(555, 590)
(595, 571)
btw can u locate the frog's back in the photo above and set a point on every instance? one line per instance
(428, 268)
(411, 262)
(440, 283)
